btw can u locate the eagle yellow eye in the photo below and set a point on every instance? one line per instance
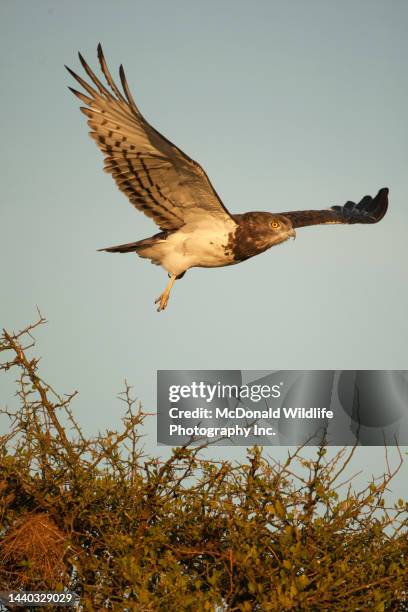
(275, 224)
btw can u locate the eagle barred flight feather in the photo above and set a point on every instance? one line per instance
(167, 185)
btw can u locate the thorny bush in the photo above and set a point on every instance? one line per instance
(130, 532)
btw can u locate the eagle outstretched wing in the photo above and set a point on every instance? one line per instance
(157, 177)
(368, 210)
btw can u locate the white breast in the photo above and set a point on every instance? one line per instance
(193, 245)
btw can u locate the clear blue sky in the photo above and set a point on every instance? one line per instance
(287, 105)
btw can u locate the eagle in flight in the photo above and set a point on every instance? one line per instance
(167, 185)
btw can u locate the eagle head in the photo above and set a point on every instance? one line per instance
(279, 228)
(258, 231)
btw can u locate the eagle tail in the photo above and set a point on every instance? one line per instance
(130, 247)
(135, 247)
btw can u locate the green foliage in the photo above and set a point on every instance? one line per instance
(131, 532)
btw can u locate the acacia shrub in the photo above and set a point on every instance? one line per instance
(126, 531)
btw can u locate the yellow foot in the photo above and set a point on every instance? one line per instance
(162, 300)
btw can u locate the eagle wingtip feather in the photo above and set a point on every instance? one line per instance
(71, 72)
(382, 203)
(100, 54)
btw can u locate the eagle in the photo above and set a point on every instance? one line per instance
(160, 180)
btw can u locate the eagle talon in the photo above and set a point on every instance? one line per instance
(163, 299)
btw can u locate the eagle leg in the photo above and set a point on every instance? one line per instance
(163, 299)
